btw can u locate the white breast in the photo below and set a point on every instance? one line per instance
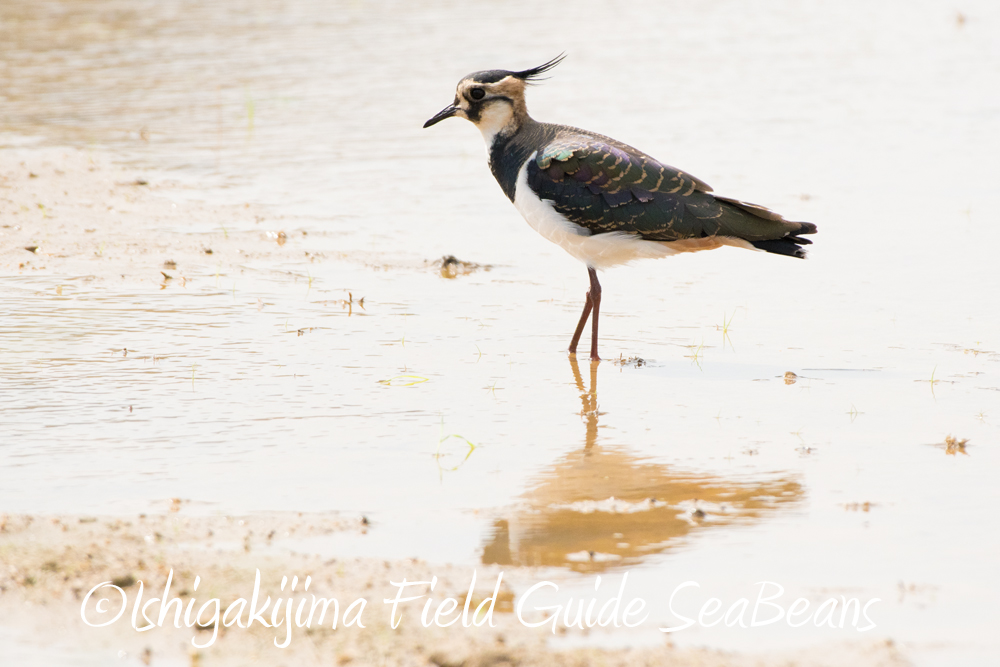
(600, 251)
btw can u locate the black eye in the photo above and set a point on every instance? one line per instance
(477, 93)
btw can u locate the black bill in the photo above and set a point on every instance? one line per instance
(447, 112)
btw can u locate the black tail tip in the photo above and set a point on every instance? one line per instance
(790, 246)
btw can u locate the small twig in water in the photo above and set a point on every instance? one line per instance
(725, 330)
(694, 357)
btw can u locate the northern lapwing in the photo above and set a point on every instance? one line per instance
(602, 201)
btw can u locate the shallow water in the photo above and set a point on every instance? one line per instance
(445, 410)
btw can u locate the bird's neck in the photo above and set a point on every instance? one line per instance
(499, 122)
(509, 148)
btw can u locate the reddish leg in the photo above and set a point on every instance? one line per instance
(593, 303)
(595, 300)
(579, 327)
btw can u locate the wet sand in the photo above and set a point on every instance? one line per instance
(51, 563)
(70, 212)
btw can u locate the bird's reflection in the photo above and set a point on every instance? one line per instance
(602, 506)
(589, 398)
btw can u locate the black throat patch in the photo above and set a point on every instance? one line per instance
(509, 152)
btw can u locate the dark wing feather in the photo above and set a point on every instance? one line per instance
(605, 186)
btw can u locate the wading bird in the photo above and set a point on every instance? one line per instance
(602, 201)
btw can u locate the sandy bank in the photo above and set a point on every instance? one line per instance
(51, 563)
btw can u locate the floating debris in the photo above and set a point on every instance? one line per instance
(404, 381)
(347, 303)
(279, 237)
(637, 362)
(170, 264)
(32, 249)
(451, 267)
(953, 446)
(859, 507)
(790, 377)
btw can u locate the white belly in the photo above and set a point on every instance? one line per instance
(600, 251)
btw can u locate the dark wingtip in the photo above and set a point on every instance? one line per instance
(531, 75)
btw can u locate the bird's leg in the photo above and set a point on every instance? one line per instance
(587, 306)
(594, 299)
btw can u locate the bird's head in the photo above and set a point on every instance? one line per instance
(493, 99)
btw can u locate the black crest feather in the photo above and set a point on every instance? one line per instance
(530, 75)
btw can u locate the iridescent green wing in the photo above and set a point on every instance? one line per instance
(605, 186)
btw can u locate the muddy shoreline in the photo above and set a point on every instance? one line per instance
(51, 563)
(76, 214)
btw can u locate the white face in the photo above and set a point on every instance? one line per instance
(493, 117)
(490, 106)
